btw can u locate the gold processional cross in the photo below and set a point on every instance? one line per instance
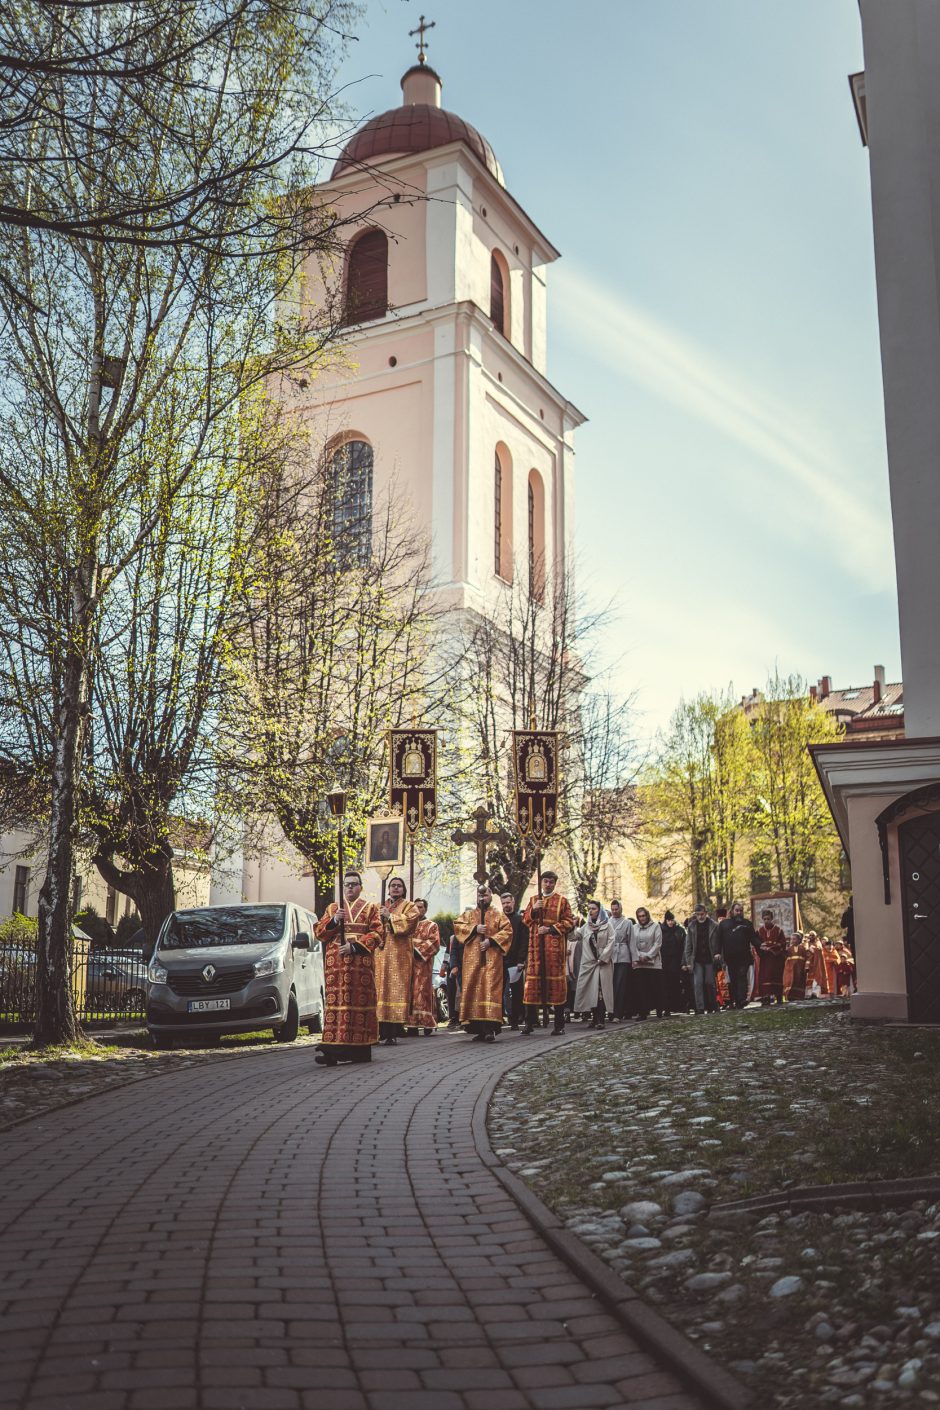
(421, 31)
(482, 836)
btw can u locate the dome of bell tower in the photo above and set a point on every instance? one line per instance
(419, 125)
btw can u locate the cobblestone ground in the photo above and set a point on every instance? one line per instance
(261, 1232)
(637, 1141)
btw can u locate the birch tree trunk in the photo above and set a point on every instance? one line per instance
(56, 1021)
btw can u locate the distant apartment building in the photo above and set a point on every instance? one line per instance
(874, 711)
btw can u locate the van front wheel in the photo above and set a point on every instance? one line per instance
(286, 1032)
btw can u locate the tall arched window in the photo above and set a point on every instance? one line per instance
(350, 488)
(367, 278)
(499, 292)
(497, 516)
(536, 537)
(502, 513)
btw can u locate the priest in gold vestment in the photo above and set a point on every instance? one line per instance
(394, 962)
(423, 1010)
(485, 934)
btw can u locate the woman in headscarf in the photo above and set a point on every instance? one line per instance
(646, 944)
(595, 991)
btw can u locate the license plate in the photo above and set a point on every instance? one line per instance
(207, 1005)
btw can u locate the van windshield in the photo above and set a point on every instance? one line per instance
(224, 925)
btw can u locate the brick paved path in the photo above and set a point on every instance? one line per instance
(266, 1233)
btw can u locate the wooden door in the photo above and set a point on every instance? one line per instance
(919, 845)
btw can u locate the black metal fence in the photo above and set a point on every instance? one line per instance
(108, 986)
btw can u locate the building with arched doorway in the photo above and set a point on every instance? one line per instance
(885, 793)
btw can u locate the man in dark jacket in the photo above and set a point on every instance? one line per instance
(699, 959)
(737, 944)
(514, 961)
(673, 955)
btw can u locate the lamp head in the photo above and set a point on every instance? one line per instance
(337, 801)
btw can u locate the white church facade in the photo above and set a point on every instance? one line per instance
(444, 295)
(442, 399)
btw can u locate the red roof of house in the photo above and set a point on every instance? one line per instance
(856, 704)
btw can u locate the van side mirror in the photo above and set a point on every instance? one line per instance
(301, 941)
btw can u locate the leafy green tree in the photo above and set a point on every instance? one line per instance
(169, 224)
(792, 824)
(730, 784)
(697, 797)
(334, 642)
(149, 785)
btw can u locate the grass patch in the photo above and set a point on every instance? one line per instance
(758, 1101)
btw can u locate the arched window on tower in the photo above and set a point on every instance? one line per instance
(349, 485)
(499, 292)
(498, 517)
(502, 513)
(367, 278)
(536, 537)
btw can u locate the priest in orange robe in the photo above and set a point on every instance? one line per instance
(394, 962)
(794, 968)
(485, 934)
(549, 919)
(422, 1012)
(816, 972)
(835, 970)
(351, 934)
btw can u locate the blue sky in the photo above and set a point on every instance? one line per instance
(713, 314)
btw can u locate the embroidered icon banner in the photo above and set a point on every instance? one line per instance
(535, 763)
(413, 776)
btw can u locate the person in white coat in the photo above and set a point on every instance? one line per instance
(646, 943)
(620, 929)
(595, 991)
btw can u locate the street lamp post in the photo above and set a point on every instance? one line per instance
(337, 801)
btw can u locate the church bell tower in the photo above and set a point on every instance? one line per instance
(443, 291)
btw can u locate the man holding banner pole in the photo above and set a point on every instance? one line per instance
(548, 915)
(549, 919)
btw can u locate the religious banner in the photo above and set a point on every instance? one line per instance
(413, 776)
(535, 762)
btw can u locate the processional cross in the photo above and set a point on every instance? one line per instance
(482, 836)
(421, 31)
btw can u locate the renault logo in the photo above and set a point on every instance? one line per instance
(208, 973)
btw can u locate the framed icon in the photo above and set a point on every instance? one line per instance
(785, 906)
(385, 842)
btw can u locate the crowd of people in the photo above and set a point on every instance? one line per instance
(621, 968)
(383, 964)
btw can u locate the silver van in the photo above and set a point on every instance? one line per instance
(230, 969)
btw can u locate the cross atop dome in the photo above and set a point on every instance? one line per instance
(421, 31)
